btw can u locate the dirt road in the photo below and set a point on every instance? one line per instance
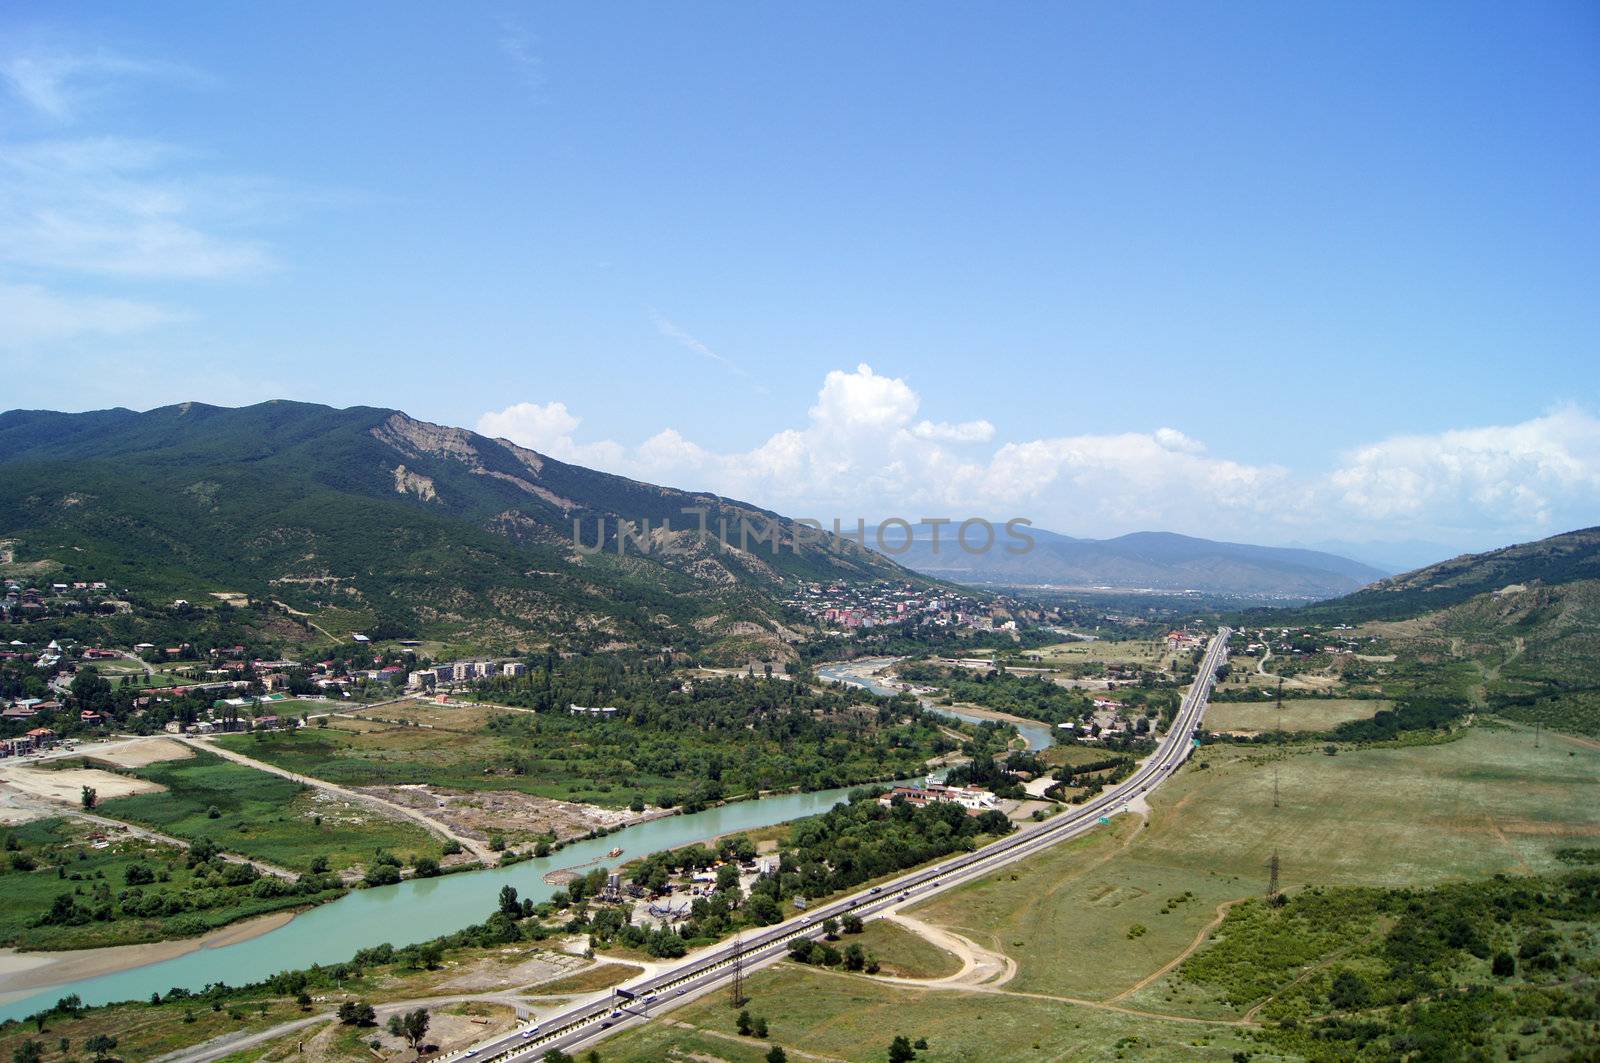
(477, 849)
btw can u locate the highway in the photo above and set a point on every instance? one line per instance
(639, 1001)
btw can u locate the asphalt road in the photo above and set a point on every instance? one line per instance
(586, 1024)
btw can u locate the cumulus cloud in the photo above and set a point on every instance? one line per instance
(1524, 475)
(863, 452)
(965, 432)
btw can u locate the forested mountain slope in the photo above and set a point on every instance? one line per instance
(374, 520)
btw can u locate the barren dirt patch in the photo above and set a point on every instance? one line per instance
(67, 784)
(514, 815)
(144, 751)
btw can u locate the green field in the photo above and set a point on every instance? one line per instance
(1090, 921)
(1299, 714)
(901, 953)
(853, 1017)
(1487, 803)
(64, 859)
(264, 816)
(609, 762)
(1105, 651)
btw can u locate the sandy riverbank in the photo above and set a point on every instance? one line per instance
(25, 973)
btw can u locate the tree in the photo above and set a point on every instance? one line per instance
(509, 902)
(776, 1054)
(1349, 991)
(87, 797)
(760, 1027)
(900, 1051)
(28, 1052)
(100, 1045)
(555, 1055)
(830, 928)
(355, 1013)
(1505, 965)
(852, 924)
(744, 1023)
(413, 1026)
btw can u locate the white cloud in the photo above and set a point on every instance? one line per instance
(59, 84)
(1172, 439)
(682, 337)
(965, 432)
(116, 206)
(30, 315)
(1519, 476)
(863, 452)
(863, 402)
(546, 428)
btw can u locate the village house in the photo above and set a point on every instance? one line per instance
(973, 798)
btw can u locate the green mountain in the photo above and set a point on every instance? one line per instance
(369, 520)
(1566, 558)
(1515, 630)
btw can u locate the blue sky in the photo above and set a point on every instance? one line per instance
(1252, 271)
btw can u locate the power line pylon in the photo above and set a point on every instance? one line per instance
(736, 997)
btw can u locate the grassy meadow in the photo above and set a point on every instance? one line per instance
(264, 816)
(1299, 714)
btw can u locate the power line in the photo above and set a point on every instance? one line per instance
(736, 997)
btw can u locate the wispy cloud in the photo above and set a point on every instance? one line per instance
(116, 206)
(30, 314)
(520, 45)
(682, 336)
(61, 84)
(80, 208)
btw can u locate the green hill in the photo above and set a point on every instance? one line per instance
(1565, 558)
(370, 520)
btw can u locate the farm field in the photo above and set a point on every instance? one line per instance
(1093, 924)
(1299, 714)
(1151, 654)
(610, 763)
(264, 816)
(1413, 816)
(853, 1017)
(459, 760)
(457, 716)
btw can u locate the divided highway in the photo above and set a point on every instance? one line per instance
(641, 1000)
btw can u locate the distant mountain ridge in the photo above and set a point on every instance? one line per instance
(1142, 561)
(389, 523)
(1570, 557)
